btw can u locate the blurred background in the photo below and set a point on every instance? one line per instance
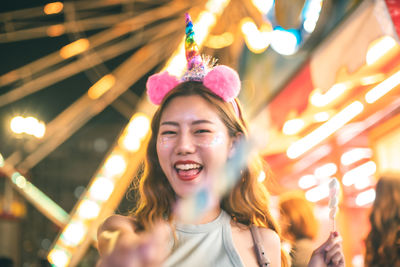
(320, 84)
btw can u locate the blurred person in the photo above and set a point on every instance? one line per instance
(299, 226)
(383, 241)
(198, 203)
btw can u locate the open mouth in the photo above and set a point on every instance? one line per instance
(188, 171)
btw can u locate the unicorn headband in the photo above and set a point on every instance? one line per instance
(221, 80)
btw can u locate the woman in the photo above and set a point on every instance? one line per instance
(191, 210)
(299, 226)
(383, 241)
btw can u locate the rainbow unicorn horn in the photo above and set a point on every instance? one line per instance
(193, 57)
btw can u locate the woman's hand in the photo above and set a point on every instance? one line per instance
(329, 253)
(122, 247)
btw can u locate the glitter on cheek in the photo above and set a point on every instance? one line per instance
(217, 139)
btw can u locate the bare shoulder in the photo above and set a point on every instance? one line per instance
(270, 235)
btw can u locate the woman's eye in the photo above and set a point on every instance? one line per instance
(203, 131)
(167, 132)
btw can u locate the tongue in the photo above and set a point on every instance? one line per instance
(190, 172)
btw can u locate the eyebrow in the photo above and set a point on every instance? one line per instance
(173, 123)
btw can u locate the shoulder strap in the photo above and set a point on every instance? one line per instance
(262, 259)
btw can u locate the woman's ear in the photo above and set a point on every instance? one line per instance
(234, 144)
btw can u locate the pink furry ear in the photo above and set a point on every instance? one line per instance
(223, 81)
(159, 84)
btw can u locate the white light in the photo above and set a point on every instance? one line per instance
(362, 182)
(311, 16)
(39, 130)
(292, 127)
(17, 124)
(321, 116)
(360, 172)
(59, 257)
(261, 177)
(264, 6)
(88, 209)
(74, 233)
(283, 42)
(317, 193)
(326, 170)
(1, 161)
(115, 165)
(30, 125)
(101, 189)
(325, 130)
(307, 181)
(365, 197)
(355, 155)
(383, 88)
(379, 49)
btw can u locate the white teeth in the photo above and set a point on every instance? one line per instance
(185, 167)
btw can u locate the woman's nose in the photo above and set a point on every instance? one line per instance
(185, 145)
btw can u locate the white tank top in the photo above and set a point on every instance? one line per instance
(208, 244)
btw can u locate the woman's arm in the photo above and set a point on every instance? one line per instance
(119, 244)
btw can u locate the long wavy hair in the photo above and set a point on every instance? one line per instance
(383, 241)
(299, 213)
(248, 201)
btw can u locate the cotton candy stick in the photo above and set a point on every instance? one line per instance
(333, 201)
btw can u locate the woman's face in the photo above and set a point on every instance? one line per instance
(193, 144)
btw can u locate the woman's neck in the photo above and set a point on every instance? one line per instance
(209, 215)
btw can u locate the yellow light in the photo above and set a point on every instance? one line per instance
(219, 41)
(30, 125)
(101, 189)
(365, 197)
(59, 257)
(55, 30)
(115, 165)
(321, 116)
(325, 130)
(74, 233)
(131, 143)
(307, 181)
(318, 99)
(53, 8)
(379, 48)
(256, 40)
(367, 80)
(292, 127)
(74, 48)
(216, 6)
(360, 172)
(326, 170)
(101, 86)
(261, 176)
(139, 126)
(354, 155)
(17, 124)
(318, 193)
(88, 209)
(383, 88)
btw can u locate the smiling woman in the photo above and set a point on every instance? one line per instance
(186, 213)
